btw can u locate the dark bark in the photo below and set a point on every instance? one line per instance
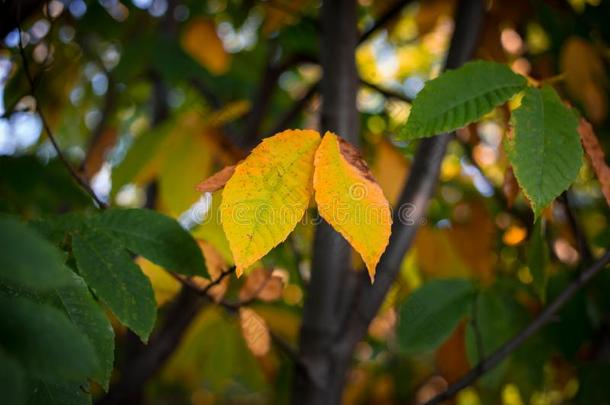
(315, 383)
(14, 12)
(153, 356)
(328, 341)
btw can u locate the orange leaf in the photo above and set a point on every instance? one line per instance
(596, 156)
(255, 331)
(97, 152)
(262, 284)
(200, 40)
(216, 181)
(350, 200)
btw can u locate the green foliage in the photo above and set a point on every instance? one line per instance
(158, 238)
(432, 312)
(461, 96)
(52, 393)
(111, 273)
(23, 254)
(538, 259)
(496, 322)
(81, 308)
(44, 341)
(545, 149)
(12, 379)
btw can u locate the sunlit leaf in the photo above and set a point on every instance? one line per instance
(268, 194)
(349, 199)
(459, 97)
(545, 150)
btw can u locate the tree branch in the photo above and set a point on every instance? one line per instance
(413, 201)
(77, 177)
(385, 18)
(545, 316)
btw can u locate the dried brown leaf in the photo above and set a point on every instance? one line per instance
(596, 156)
(217, 180)
(255, 331)
(262, 285)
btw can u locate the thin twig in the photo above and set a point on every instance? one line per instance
(543, 318)
(385, 18)
(80, 181)
(386, 92)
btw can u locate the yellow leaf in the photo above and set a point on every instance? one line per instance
(200, 40)
(349, 199)
(585, 77)
(268, 194)
(164, 285)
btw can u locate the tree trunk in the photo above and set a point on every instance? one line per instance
(319, 382)
(337, 314)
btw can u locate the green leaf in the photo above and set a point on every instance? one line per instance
(116, 279)
(12, 380)
(497, 321)
(27, 260)
(46, 343)
(432, 312)
(538, 259)
(51, 393)
(57, 228)
(84, 312)
(155, 236)
(545, 149)
(459, 97)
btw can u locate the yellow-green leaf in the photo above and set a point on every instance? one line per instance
(268, 194)
(349, 199)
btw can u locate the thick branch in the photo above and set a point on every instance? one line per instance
(155, 354)
(413, 202)
(330, 266)
(545, 316)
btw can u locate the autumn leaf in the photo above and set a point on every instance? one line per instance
(349, 199)
(585, 77)
(96, 154)
(510, 187)
(255, 331)
(263, 284)
(596, 156)
(200, 40)
(268, 194)
(216, 181)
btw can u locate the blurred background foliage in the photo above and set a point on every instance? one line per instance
(149, 97)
